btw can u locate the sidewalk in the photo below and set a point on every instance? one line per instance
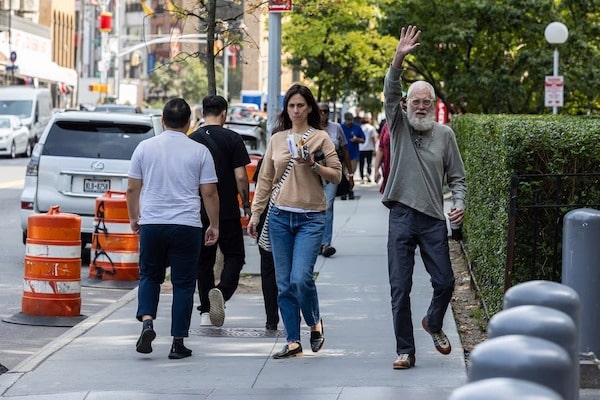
(96, 359)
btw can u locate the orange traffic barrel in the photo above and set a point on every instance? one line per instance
(115, 248)
(250, 170)
(52, 266)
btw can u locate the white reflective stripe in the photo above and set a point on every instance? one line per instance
(113, 227)
(51, 287)
(118, 257)
(252, 186)
(52, 251)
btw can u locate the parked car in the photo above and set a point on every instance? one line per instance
(80, 156)
(252, 132)
(14, 137)
(118, 108)
(242, 111)
(32, 105)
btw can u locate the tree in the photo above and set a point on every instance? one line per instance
(186, 79)
(491, 57)
(337, 45)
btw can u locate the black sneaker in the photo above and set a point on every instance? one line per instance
(328, 251)
(351, 196)
(179, 351)
(144, 343)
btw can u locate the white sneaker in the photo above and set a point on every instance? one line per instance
(217, 307)
(205, 319)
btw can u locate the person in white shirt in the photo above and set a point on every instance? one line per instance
(366, 148)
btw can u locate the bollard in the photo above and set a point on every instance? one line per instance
(115, 248)
(52, 266)
(544, 323)
(503, 389)
(522, 357)
(581, 271)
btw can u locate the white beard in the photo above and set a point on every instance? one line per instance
(421, 124)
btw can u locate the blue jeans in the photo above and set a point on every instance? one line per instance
(161, 246)
(295, 241)
(407, 229)
(330, 190)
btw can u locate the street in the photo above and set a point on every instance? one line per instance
(19, 341)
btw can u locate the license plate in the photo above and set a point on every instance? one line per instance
(96, 185)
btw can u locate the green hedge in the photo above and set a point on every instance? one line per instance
(496, 147)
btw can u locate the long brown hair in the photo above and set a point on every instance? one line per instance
(284, 121)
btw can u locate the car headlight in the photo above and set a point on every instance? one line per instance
(4, 137)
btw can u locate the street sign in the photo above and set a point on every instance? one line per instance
(280, 5)
(13, 56)
(12, 67)
(554, 91)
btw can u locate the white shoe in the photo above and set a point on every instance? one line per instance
(217, 307)
(205, 319)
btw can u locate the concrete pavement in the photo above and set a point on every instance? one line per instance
(96, 359)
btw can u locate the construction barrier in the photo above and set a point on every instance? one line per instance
(250, 170)
(52, 266)
(115, 248)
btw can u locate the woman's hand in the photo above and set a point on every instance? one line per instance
(251, 229)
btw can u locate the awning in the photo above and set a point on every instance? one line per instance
(37, 67)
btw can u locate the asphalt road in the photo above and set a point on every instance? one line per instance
(24, 338)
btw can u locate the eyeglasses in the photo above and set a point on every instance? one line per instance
(418, 102)
(324, 111)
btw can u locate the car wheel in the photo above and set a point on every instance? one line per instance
(13, 150)
(28, 149)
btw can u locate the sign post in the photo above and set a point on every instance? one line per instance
(554, 91)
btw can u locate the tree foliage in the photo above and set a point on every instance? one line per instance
(489, 56)
(337, 45)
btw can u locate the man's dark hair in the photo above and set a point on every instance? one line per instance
(176, 113)
(213, 105)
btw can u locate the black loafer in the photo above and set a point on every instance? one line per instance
(317, 339)
(288, 353)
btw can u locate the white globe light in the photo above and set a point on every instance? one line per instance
(556, 33)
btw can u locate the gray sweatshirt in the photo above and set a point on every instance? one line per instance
(420, 159)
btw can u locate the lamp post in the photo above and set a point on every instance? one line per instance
(556, 33)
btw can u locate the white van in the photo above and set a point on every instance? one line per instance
(32, 105)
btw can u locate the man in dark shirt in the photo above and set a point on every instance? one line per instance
(354, 137)
(231, 158)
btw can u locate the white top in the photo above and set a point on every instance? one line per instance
(370, 135)
(172, 167)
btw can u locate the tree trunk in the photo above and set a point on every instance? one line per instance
(210, 47)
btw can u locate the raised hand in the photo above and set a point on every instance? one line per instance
(409, 40)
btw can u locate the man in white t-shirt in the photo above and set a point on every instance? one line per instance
(167, 175)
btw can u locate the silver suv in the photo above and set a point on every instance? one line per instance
(79, 157)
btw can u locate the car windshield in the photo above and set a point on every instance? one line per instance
(95, 140)
(22, 108)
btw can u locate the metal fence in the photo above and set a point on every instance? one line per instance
(538, 203)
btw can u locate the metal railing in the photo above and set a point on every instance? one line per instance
(538, 203)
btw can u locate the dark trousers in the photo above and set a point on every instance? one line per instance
(366, 156)
(407, 229)
(231, 243)
(161, 246)
(269, 286)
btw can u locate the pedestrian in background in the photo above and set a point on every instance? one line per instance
(424, 153)
(267, 272)
(367, 148)
(336, 133)
(354, 137)
(231, 157)
(296, 213)
(382, 156)
(167, 175)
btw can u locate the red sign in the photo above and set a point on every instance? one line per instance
(554, 91)
(280, 5)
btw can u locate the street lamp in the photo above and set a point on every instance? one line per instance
(556, 33)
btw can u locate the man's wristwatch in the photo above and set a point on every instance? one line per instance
(314, 166)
